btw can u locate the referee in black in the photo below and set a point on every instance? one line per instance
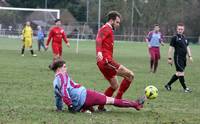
(179, 45)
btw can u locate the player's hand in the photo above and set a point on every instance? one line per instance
(99, 56)
(22, 37)
(68, 45)
(46, 47)
(71, 109)
(191, 59)
(58, 110)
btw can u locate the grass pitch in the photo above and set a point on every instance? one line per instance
(27, 95)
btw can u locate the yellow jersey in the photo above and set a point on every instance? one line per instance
(27, 32)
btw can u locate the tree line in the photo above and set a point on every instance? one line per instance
(136, 14)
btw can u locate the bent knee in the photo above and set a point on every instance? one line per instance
(115, 86)
(131, 76)
(179, 74)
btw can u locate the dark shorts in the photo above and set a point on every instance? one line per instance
(180, 63)
(108, 68)
(154, 53)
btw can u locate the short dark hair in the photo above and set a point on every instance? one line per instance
(180, 24)
(57, 64)
(57, 20)
(113, 15)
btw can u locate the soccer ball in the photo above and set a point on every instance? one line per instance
(151, 92)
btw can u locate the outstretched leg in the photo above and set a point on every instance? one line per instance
(95, 98)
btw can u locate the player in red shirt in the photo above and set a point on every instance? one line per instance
(57, 34)
(104, 55)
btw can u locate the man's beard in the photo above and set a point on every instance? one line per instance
(113, 27)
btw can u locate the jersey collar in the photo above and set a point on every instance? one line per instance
(109, 25)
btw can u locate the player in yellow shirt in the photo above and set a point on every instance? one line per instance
(27, 37)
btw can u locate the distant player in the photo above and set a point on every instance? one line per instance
(78, 98)
(40, 38)
(56, 34)
(104, 55)
(27, 39)
(179, 45)
(154, 39)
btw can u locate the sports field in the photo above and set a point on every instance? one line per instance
(26, 92)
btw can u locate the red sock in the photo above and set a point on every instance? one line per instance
(109, 92)
(125, 103)
(123, 87)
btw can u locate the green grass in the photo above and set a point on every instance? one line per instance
(26, 94)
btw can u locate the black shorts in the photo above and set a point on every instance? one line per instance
(180, 63)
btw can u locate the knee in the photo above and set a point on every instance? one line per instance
(56, 56)
(131, 76)
(115, 86)
(179, 74)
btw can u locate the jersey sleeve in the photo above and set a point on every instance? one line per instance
(173, 41)
(64, 36)
(161, 37)
(49, 37)
(66, 98)
(65, 94)
(23, 30)
(23, 33)
(149, 36)
(102, 34)
(31, 32)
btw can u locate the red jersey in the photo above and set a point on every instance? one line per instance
(105, 41)
(57, 34)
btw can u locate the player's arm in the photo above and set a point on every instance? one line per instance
(67, 100)
(62, 97)
(102, 34)
(171, 50)
(23, 32)
(31, 33)
(49, 38)
(58, 99)
(58, 95)
(65, 39)
(189, 54)
(161, 39)
(148, 38)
